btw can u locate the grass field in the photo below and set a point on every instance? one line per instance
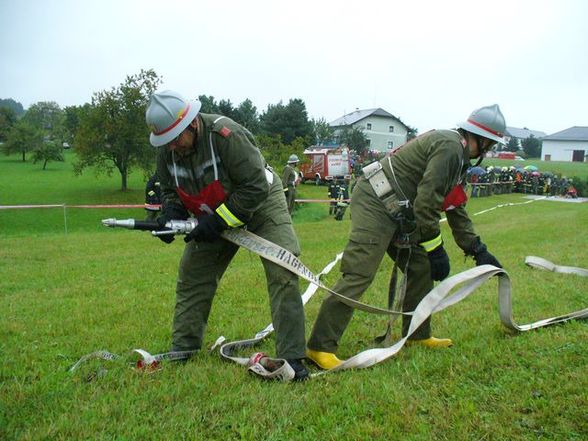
(65, 295)
(569, 169)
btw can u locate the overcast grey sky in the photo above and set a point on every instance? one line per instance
(428, 62)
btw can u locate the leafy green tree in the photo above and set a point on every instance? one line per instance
(225, 107)
(276, 152)
(512, 145)
(290, 121)
(322, 131)
(355, 139)
(23, 138)
(246, 115)
(7, 121)
(46, 116)
(208, 104)
(48, 151)
(112, 133)
(532, 147)
(411, 133)
(15, 106)
(71, 121)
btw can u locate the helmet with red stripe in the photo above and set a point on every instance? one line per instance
(486, 121)
(168, 114)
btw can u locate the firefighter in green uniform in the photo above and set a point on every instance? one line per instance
(290, 181)
(152, 198)
(210, 167)
(396, 210)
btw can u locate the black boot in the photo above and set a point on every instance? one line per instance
(300, 371)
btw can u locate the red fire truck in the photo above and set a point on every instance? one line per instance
(506, 155)
(325, 164)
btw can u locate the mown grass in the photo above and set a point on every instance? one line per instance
(64, 295)
(562, 168)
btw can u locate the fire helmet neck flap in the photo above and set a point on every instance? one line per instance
(486, 121)
(168, 114)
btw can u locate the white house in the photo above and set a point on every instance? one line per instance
(383, 130)
(568, 145)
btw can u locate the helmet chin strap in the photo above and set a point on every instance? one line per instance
(479, 161)
(194, 132)
(479, 142)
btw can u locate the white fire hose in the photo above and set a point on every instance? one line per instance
(439, 298)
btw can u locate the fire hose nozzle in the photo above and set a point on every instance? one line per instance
(112, 223)
(171, 227)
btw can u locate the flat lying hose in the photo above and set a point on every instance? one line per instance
(436, 300)
(440, 298)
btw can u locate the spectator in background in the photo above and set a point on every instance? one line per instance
(153, 197)
(290, 179)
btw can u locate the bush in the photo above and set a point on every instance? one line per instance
(581, 186)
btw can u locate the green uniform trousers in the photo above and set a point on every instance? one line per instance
(202, 267)
(291, 198)
(372, 235)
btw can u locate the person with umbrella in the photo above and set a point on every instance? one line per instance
(474, 174)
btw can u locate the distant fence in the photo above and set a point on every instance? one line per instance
(66, 206)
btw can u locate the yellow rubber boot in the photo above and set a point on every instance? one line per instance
(432, 342)
(324, 360)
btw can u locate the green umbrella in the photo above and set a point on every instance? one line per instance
(531, 168)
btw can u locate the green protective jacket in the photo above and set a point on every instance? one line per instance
(426, 169)
(242, 170)
(289, 177)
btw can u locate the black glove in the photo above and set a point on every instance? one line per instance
(482, 256)
(439, 261)
(170, 212)
(209, 229)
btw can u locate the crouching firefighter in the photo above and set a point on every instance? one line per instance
(395, 209)
(209, 167)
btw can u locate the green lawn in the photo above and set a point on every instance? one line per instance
(568, 169)
(65, 295)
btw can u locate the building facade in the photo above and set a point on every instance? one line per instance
(570, 145)
(383, 130)
(522, 134)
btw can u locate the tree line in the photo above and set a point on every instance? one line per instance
(530, 147)
(109, 133)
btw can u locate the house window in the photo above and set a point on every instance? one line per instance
(391, 129)
(369, 142)
(368, 126)
(390, 144)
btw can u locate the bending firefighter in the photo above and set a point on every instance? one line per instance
(210, 167)
(396, 209)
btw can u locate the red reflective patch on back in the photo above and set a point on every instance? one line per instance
(224, 132)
